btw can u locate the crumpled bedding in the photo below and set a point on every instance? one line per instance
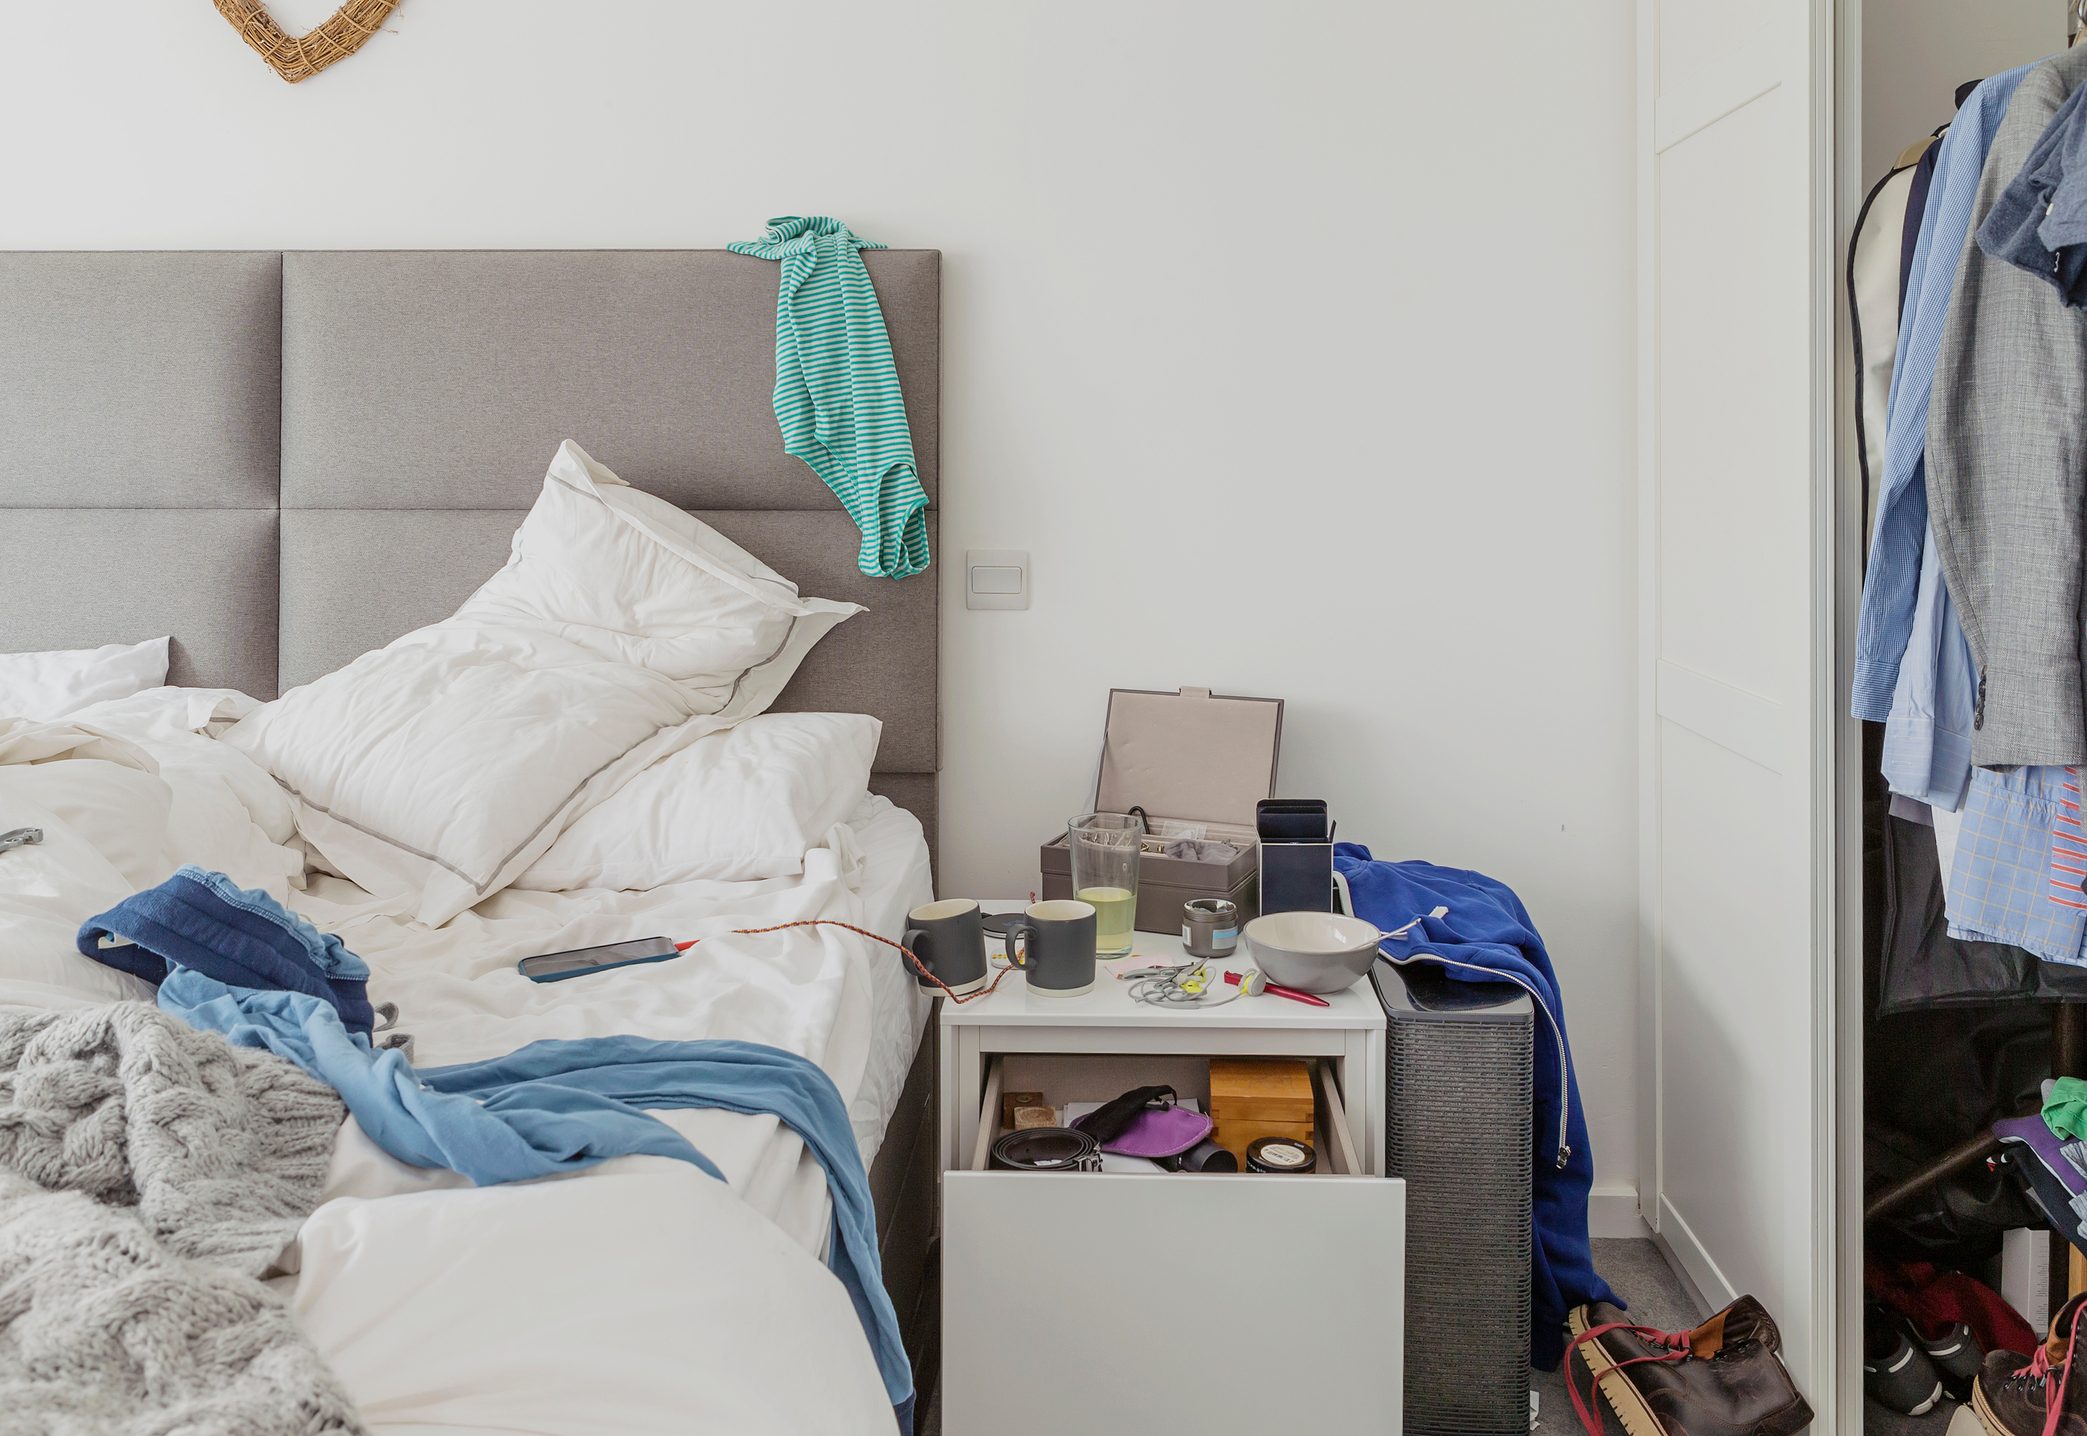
(127, 792)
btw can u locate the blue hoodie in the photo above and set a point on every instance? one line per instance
(1477, 930)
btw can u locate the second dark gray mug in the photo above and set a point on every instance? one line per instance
(1057, 952)
(949, 938)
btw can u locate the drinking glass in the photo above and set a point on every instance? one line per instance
(1105, 875)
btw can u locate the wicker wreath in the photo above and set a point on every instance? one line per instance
(299, 57)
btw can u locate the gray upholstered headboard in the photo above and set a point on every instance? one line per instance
(284, 460)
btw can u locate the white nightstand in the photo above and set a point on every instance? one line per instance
(1208, 1303)
(1346, 1035)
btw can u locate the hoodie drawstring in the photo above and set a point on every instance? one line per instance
(1564, 1153)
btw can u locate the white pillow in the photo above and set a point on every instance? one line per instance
(636, 579)
(744, 803)
(52, 684)
(438, 768)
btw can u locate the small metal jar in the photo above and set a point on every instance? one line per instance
(1280, 1157)
(1210, 927)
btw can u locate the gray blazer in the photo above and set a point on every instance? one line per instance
(2007, 470)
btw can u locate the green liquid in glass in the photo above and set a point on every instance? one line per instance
(1115, 917)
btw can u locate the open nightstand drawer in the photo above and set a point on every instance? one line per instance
(1167, 1302)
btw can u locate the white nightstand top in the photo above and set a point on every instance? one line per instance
(1108, 1003)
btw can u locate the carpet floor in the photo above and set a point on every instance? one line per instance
(1657, 1296)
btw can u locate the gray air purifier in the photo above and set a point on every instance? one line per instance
(1458, 1131)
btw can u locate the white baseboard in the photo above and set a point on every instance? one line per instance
(1613, 1212)
(1688, 1257)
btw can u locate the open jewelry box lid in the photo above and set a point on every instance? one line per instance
(1193, 755)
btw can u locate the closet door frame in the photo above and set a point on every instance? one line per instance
(1841, 526)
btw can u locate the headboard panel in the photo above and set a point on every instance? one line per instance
(139, 416)
(286, 460)
(141, 381)
(430, 379)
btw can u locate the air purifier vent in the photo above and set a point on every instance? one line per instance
(1457, 1130)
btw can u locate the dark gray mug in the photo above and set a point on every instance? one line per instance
(1057, 952)
(950, 940)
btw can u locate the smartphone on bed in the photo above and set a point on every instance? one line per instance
(557, 966)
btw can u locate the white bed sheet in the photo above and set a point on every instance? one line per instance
(896, 880)
(451, 1308)
(826, 993)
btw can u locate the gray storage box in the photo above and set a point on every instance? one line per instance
(1192, 760)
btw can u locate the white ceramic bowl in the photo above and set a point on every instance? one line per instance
(1318, 952)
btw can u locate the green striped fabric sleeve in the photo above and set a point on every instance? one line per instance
(837, 396)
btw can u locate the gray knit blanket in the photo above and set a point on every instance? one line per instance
(149, 1175)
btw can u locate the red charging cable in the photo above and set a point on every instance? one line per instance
(906, 952)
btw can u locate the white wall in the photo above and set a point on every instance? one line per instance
(1294, 341)
(1916, 52)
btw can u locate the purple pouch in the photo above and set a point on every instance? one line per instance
(1145, 1122)
(1160, 1132)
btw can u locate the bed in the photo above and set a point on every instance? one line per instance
(288, 460)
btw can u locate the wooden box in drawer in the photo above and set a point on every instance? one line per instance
(1252, 1098)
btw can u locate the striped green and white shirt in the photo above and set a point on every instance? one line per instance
(837, 396)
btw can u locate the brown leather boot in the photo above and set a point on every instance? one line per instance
(1725, 1378)
(2014, 1395)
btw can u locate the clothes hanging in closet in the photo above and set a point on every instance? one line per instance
(1909, 637)
(1890, 585)
(2000, 388)
(1876, 286)
(1972, 651)
(2004, 481)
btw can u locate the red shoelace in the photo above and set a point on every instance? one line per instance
(2040, 1368)
(1588, 1406)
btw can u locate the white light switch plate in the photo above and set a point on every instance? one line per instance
(996, 578)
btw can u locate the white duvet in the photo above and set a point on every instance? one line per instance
(637, 1297)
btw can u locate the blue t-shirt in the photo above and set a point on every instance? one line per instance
(2039, 222)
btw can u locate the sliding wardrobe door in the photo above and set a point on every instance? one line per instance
(1735, 391)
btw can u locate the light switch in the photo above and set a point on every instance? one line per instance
(996, 578)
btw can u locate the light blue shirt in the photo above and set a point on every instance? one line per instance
(1890, 590)
(1927, 739)
(2016, 876)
